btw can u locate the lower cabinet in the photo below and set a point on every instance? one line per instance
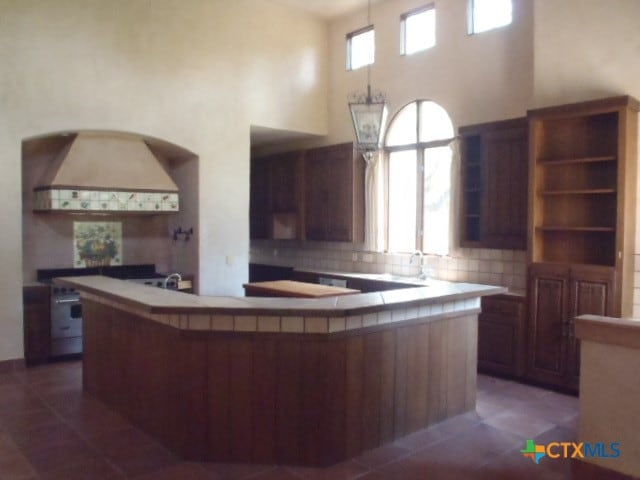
(37, 323)
(557, 294)
(501, 335)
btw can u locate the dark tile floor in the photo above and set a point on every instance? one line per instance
(50, 429)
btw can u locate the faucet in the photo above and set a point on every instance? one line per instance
(423, 270)
(177, 276)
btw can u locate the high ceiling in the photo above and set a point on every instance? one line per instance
(326, 8)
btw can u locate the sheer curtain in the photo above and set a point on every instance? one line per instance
(437, 218)
(454, 191)
(373, 201)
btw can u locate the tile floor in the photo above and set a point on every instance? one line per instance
(50, 429)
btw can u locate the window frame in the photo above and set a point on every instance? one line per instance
(349, 39)
(471, 19)
(403, 31)
(420, 148)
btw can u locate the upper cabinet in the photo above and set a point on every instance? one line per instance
(583, 176)
(259, 199)
(494, 185)
(276, 203)
(334, 194)
(315, 194)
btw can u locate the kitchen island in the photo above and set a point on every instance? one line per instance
(279, 380)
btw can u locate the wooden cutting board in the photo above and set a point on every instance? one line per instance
(291, 288)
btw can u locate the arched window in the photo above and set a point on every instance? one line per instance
(419, 178)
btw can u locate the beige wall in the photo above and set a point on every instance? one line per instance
(196, 73)
(476, 78)
(585, 49)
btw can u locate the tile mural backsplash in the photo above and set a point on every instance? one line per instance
(97, 244)
(476, 265)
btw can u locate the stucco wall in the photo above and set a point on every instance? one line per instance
(476, 78)
(196, 73)
(585, 49)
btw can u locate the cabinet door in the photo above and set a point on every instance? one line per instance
(501, 342)
(317, 193)
(285, 182)
(334, 198)
(592, 292)
(495, 344)
(505, 174)
(494, 185)
(37, 324)
(259, 201)
(548, 294)
(339, 163)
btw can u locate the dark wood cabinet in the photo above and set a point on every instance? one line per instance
(334, 194)
(494, 185)
(559, 293)
(501, 335)
(36, 323)
(260, 199)
(276, 203)
(591, 291)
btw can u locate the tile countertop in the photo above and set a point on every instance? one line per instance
(388, 277)
(159, 301)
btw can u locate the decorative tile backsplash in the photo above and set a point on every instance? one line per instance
(100, 201)
(506, 268)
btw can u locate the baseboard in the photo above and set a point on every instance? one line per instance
(581, 470)
(10, 366)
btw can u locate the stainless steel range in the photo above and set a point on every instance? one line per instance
(66, 321)
(66, 310)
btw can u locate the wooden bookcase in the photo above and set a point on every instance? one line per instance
(582, 171)
(581, 226)
(576, 164)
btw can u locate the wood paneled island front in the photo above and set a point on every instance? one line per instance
(281, 381)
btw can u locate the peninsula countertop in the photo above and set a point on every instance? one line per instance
(160, 301)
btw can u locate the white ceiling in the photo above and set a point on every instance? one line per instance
(326, 8)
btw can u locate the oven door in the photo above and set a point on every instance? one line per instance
(66, 325)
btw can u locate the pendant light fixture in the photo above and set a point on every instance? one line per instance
(368, 113)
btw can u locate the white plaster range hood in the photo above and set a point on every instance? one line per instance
(106, 172)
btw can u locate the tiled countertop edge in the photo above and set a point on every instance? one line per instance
(293, 323)
(158, 301)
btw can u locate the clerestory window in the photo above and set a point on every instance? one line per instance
(361, 49)
(418, 30)
(489, 14)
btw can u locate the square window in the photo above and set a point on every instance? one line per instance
(360, 48)
(489, 14)
(418, 30)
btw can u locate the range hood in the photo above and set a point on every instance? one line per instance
(106, 172)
